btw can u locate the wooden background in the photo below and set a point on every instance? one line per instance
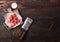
(46, 24)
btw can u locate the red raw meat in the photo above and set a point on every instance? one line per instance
(13, 19)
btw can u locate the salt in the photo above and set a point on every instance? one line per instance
(14, 5)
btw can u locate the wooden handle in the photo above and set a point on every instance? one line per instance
(22, 35)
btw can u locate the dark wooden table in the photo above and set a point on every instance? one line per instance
(46, 24)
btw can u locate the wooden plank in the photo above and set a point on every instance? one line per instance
(44, 13)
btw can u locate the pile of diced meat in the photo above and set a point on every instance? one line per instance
(13, 20)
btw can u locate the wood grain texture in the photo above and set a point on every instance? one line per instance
(46, 16)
